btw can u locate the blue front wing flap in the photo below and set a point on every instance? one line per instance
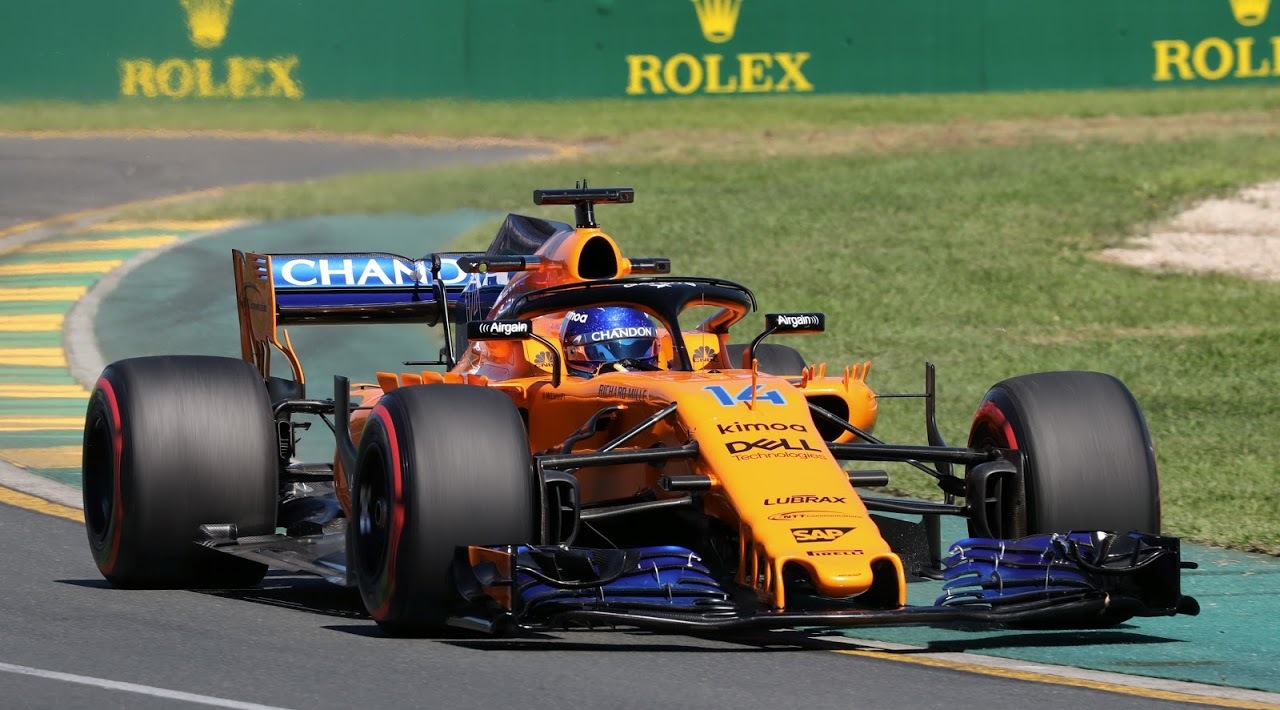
(1077, 578)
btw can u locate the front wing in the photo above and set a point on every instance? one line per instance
(1071, 580)
(1066, 580)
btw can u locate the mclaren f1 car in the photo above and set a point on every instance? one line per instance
(690, 483)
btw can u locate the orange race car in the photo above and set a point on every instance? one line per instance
(594, 449)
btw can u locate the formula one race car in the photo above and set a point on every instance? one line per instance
(595, 450)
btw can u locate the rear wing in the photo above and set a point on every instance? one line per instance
(274, 290)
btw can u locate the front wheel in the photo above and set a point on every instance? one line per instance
(439, 467)
(1088, 459)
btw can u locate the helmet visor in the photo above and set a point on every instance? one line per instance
(612, 351)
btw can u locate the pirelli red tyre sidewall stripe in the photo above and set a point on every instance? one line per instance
(991, 418)
(384, 593)
(107, 554)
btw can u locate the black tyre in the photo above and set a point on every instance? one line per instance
(1089, 460)
(439, 466)
(774, 359)
(170, 444)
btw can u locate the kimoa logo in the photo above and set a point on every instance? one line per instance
(234, 77)
(1250, 13)
(207, 21)
(744, 73)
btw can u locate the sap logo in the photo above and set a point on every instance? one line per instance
(738, 427)
(796, 500)
(738, 447)
(761, 395)
(819, 534)
(833, 553)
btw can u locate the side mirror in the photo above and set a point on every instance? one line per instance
(521, 329)
(786, 324)
(795, 323)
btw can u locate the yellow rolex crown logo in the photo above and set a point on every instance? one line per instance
(1250, 13)
(207, 21)
(718, 18)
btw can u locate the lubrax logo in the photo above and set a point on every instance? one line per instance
(205, 78)
(744, 73)
(738, 427)
(505, 327)
(797, 500)
(739, 447)
(1215, 58)
(819, 534)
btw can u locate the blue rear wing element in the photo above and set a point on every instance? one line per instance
(371, 287)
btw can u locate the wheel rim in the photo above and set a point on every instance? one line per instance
(99, 489)
(373, 514)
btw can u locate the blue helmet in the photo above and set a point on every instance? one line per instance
(595, 336)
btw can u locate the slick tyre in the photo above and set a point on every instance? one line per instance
(1089, 461)
(170, 444)
(439, 467)
(774, 359)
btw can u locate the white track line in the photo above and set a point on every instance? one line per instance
(135, 688)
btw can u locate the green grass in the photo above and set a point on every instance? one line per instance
(974, 254)
(609, 119)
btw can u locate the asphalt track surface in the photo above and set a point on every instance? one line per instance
(67, 640)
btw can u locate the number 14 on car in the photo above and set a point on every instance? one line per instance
(762, 395)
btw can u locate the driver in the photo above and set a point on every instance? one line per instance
(595, 338)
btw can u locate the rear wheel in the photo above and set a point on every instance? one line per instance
(774, 359)
(1089, 461)
(172, 443)
(439, 467)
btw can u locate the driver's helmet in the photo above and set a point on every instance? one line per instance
(596, 336)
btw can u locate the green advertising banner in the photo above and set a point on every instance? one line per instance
(163, 50)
